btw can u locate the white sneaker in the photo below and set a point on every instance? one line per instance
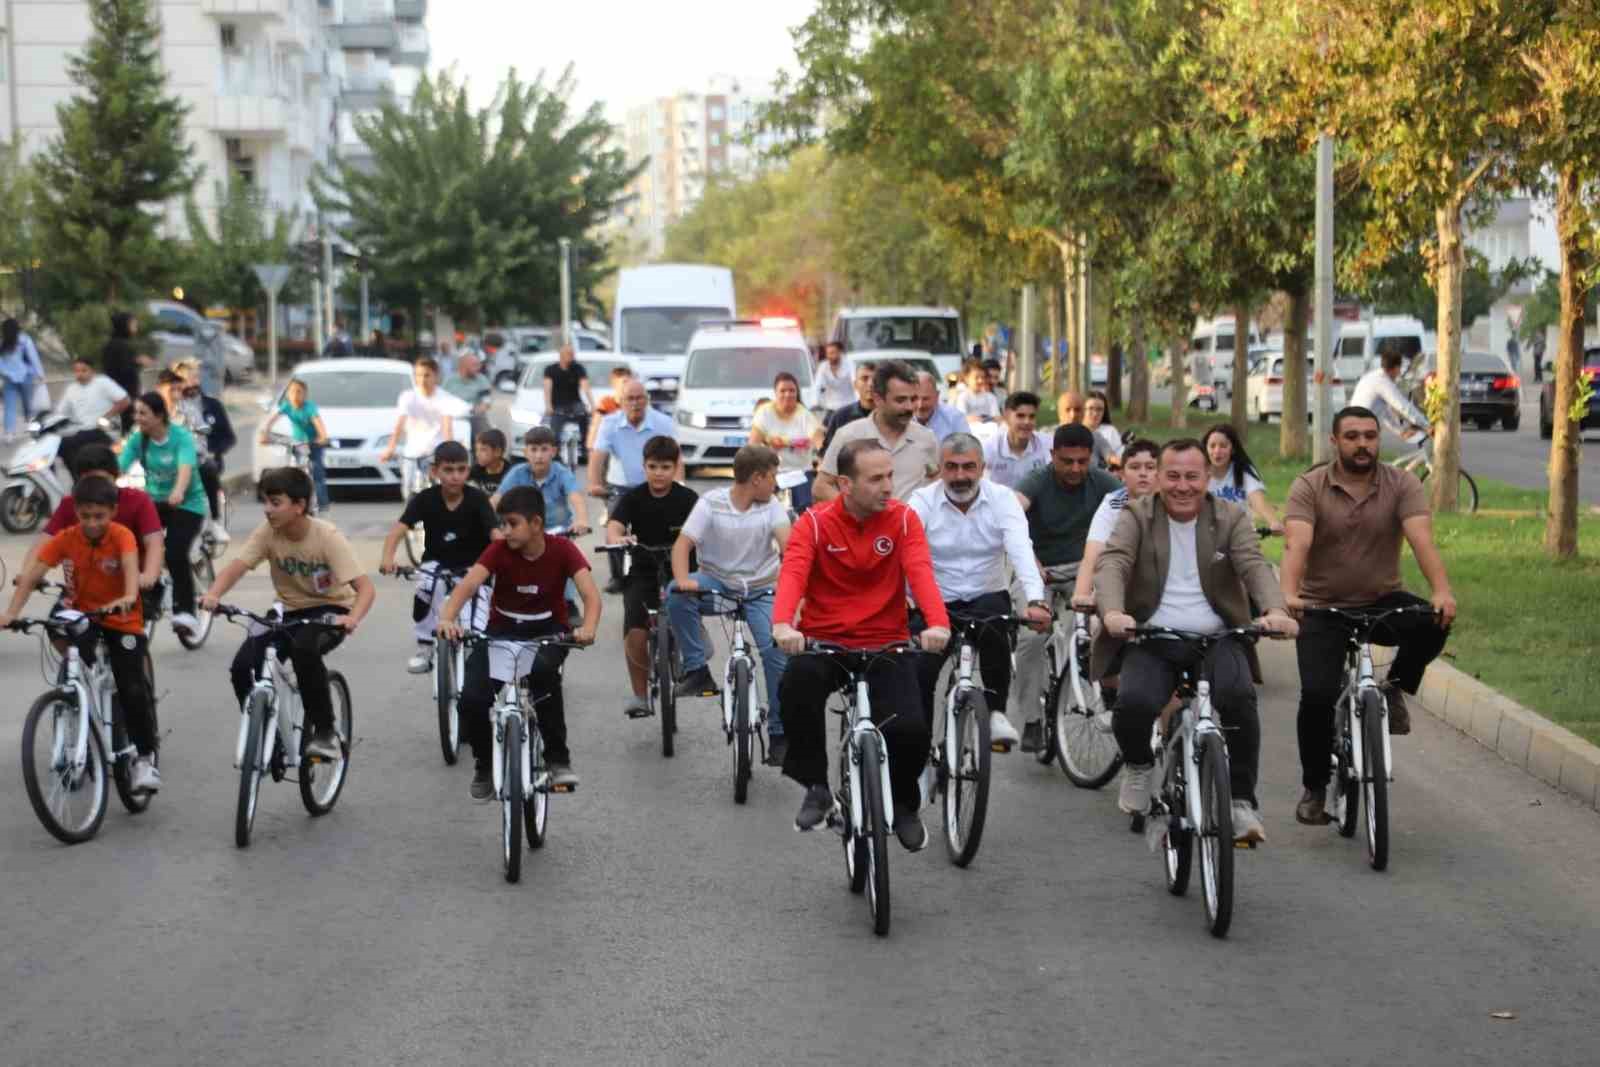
(1247, 826)
(218, 534)
(1135, 796)
(144, 777)
(422, 662)
(324, 745)
(1002, 735)
(184, 622)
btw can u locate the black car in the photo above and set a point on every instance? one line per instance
(1547, 397)
(1490, 390)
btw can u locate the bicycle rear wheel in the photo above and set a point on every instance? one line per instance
(1216, 835)
(1047, 719)
(664, 684)
(511, 808)
(244, 818)
(1466, 488)
(122, 763)
(536, 808)
(1177, 847)
(1084, 745)
(70, 801)
(445, 682)
(875, 834)
(205, 572)
(743, 734)
(322, 782)
(1346, 783)
(1375, 778)
(966, 790)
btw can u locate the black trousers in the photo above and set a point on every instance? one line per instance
(896, 698)
(994, 651)
(182, 528)
(1320, 648)
(1150, 673)
(544, 682)
(126, 653)
(304, 647)
(211, 478)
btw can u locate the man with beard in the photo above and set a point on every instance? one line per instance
(974, 526)
(910, 444)
(1342, 532)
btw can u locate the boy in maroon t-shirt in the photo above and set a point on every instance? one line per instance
(530, 573)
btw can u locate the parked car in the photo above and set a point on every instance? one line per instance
(177, 326)
(357, 399)
(1490, 391)
(731, 366)
(1547, 396)
(525, 342)
(527, 410)
(1264, 387)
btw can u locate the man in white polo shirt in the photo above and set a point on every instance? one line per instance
(1020, 450)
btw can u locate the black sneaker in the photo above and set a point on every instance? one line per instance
(1399, 714)
(1033, 736)
(777, 748)
(909, 829)
(482, 780)
(697, 683)
(614, 586)
(815, 809)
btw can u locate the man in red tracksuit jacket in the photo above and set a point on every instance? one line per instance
(849, 561)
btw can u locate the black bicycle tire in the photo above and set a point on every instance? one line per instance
(1216, 804)
(973, 709)
(205, 573)
(743, 739)
(122, 766)
(855, 848)
(1345, 780)
(876, 836)
(1047, 722)
(1177, 851)
(449, 721)
(1470, 489)
(511, 813)
(663, 670)
(1061, 689)
(1375, 779)
(307, 774)
(244, 816)
(536, 808)
(30, 775)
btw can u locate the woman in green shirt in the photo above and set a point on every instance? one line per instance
(305, 424)
(167, 454)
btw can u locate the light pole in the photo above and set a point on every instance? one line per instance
(566, 290)
(1323, 356)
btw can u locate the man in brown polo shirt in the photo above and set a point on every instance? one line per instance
(910, 444)
(1342, 531)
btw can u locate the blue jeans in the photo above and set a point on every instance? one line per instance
(684, 609)
(17, 395)
(319, 476)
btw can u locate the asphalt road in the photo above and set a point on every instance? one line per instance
(663, 924)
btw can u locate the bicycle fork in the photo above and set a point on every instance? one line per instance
(863, 726)
(1358, 747)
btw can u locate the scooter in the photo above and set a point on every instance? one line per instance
(33, 488)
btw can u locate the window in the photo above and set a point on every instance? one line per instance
(936, 336)
(170, 321)
(716, 139)
(357, 389)
(744, 368)
(1352, 346)
(230, 37)
(715, 113)
(663, 331)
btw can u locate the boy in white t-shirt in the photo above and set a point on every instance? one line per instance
(424, 416)
(976, 400)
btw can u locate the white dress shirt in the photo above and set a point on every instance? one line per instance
(969, 548)
(1377, 393)
(1008, 468)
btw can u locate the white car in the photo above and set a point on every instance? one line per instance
(731, 366)
(932, 331)
(525, 342)
(176, 327)
(527, 410)
(1264, 387)
(356, 398)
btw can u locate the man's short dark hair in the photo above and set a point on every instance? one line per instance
(868, 365)
(100, 492)
(540, 435)
(834, 344)
(1138, 446)
(1180, 444)
(451, 452)
(1351, 412)
(524, 500)
(429, 363)
(621, 371)
(992, 364)
(291, 482)
(94, 458)
(495, 439)
(1073, 435)
(1021, 399)
(661, 449)
(752, 460)
(893, 370)
(850, 455)
(1390, 356)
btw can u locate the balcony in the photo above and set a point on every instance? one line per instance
(368, 36)
(244, 10)
(366, 92)
(250, 115)
(413, 47)
(413, 10)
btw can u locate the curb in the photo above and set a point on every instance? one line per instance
(1523, 738)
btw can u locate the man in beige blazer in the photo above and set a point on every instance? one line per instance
(1184, 559)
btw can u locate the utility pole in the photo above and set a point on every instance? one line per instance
(327, 281)
(566, 290)
(1026, 376)
(366, 306)
(272, 276)
(1321, 416)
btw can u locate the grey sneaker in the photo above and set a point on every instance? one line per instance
(697, 683)
(1135, 795)
(815, 809)
(909, 829)
(637, 708)
(422, 662)
(1247, 828)
(1399, 714)
(1032, 735)
(324, 745)
(563, 778)
(1313, 807)
(143, 777)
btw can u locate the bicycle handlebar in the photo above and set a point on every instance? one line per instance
(272, 621)
(828, 648)
(1251, 632)
(1367, 619)
(557, 640)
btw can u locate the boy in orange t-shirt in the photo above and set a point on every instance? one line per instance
(100, 560)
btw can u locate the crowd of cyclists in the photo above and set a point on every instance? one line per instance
(899, 516)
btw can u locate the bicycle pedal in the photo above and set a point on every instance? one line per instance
(1136, 824)
(999, 746)
(639, 713)
(567, 788)
(1245, 844)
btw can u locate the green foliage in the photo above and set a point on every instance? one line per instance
(19, 232)
(466, 207)
(120, 154)
(85, 329)
(1404, 288)
(1543, 309)
(220, 256)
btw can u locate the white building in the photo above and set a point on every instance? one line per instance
(1522, 228)
(270, 83)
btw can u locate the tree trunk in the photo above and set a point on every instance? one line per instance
(1138, 375)
(1053, 324)
(1452, 264)
(1241, 370)
(1561, 526)
(1069, 289)
(1178, 354)
(1114, 376)
(1293, 440)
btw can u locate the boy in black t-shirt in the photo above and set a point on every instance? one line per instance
(458, 523)
(653, 514)
(529, 571)
(489, 450)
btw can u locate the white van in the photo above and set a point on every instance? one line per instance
(935, 331)
(1359, 342)
(1211, 353)
(658, 310)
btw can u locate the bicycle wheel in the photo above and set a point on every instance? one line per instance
(321, 781)
(1346, 783)
(511, 814)
(69, 800)
(1047, 725)
(1082, 739)
(1375, 778)
(875, 834)
(1177, 847)
(416, 544)
(1466, 488)
(444, 668)
(664, 683)
(743, 735)
(536, 808)
(855, 847)
(205, 572)
(122, 763)
(244, 819)
(966, 791)
(1216, 835)
(215, 548)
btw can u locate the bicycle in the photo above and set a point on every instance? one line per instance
(273, 710)
(666, 660)
(1363, 762)
(1204, 806)
(64, 763)
(158, 601)
(416, 476)
(864, 809)
(960, 756)
(207, 542)
(569, 448)
(521, 778)
(1077, 723)
(449, 668)
(1420, 463)
(743, 719)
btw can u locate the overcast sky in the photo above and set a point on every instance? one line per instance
(624, 51)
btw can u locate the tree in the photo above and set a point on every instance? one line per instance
(121, 153)
(19, 234)
(220, 265)
(1403, 287)
(468, 206)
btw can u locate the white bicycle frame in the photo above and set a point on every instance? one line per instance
(94, 689)
(1195, 720)
(284, 711)
(737, 650)
(1361, 680)
(860, 725)
(509, 714)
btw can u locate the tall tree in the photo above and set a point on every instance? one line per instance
(121, 153)
(222, 254)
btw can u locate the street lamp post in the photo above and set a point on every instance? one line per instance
(566, 290)
(1320, 413)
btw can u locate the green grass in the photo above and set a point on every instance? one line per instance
(1527, 627)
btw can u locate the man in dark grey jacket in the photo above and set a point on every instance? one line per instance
(1184, 559)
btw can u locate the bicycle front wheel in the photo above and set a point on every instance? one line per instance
(966, 791)
(511, 802)
(664, 684)
(244, 817)
(68, 797)
(205, 572)
(1375, 778)
(1346, 783)
(743, 736)
(444, 666)
(875, 834)
(1216, 834)
(321, 781)
(1084, 745)
(536, 808)
(855, 847)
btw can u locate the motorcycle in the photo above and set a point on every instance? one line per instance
(33, 488)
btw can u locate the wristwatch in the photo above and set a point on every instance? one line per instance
(1039, 604)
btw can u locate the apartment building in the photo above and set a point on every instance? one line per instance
(271, 84)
